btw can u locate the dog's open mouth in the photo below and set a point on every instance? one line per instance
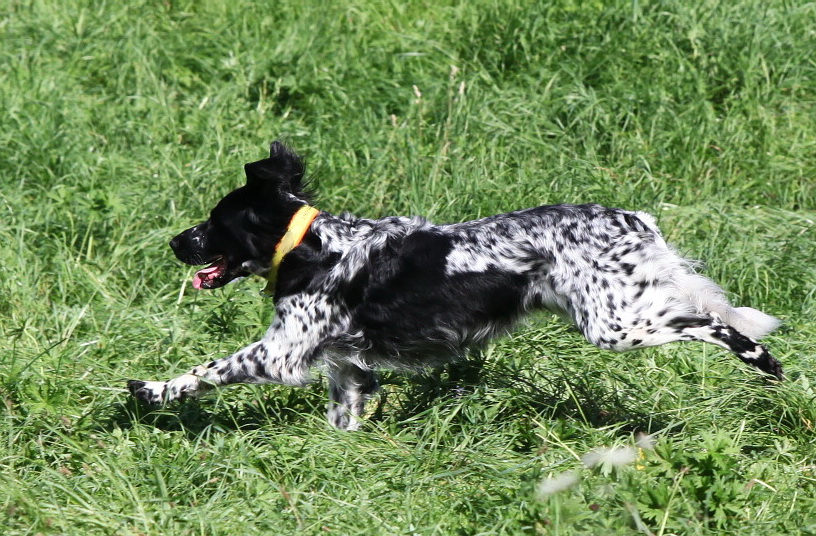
(213, 276)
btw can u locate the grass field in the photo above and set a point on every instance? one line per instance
(122, 122)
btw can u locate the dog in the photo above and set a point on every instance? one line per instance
(355, 295)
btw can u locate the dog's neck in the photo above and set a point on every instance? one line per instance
(298, 226)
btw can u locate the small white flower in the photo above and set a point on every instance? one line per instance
(557, 483)
(646, 441)
(612, 457)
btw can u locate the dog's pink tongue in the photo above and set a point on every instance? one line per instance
(207, 274)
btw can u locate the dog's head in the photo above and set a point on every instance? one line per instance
(240, 236)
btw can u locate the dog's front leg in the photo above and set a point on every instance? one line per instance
(260, 362)
(349, 388)
(283, 356)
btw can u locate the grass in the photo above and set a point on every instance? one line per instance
(122, 122)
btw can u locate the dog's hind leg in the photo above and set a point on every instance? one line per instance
(349, 388)
(705, 328)
(713, 330)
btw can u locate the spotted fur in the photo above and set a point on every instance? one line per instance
(403, 293)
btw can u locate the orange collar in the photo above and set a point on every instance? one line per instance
(297, 229)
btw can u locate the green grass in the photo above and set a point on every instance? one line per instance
(122, 122)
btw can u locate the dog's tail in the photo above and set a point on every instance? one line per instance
(708, 297)
(751, 322)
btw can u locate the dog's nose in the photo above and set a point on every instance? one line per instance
(174, 243)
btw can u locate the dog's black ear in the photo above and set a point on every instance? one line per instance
(283, 169)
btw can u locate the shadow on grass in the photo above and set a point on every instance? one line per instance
(511, 395)
(521, 396)
(208, 415)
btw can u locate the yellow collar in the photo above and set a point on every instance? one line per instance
(298, 226)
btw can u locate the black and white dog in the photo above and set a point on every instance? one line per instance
(355, 295)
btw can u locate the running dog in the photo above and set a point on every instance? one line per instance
(355, 295)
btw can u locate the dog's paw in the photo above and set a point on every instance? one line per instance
(148, 392)
(181, 388)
